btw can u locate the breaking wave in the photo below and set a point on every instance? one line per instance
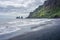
(16, 25)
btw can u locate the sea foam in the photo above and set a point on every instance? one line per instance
(16, 25)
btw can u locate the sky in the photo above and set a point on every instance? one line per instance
(18, 7)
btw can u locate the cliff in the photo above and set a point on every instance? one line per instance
(50, 9)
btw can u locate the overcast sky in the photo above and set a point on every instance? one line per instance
(18, 7)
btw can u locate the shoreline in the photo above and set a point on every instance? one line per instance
(51, 33)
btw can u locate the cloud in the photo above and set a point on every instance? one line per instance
(16, 3)
(18, 7)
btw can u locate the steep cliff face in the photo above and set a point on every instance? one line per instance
(50, 9)
(32, 14)
(52, 3)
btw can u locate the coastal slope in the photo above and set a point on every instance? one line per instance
(50, 9)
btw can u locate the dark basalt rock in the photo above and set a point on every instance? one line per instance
(52, 3)
(51, 7)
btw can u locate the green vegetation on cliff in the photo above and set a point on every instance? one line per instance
(50, 9)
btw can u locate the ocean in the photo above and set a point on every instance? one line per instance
(13, 27)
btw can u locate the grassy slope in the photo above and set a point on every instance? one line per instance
(47, 13)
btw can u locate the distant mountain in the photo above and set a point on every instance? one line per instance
(50, 9)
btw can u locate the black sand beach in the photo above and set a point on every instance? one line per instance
(49, 33)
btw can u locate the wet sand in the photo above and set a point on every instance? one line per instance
(49, 33)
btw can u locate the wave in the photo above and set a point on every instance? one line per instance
(16, 25)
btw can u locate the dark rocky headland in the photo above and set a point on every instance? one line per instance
(50, 9)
